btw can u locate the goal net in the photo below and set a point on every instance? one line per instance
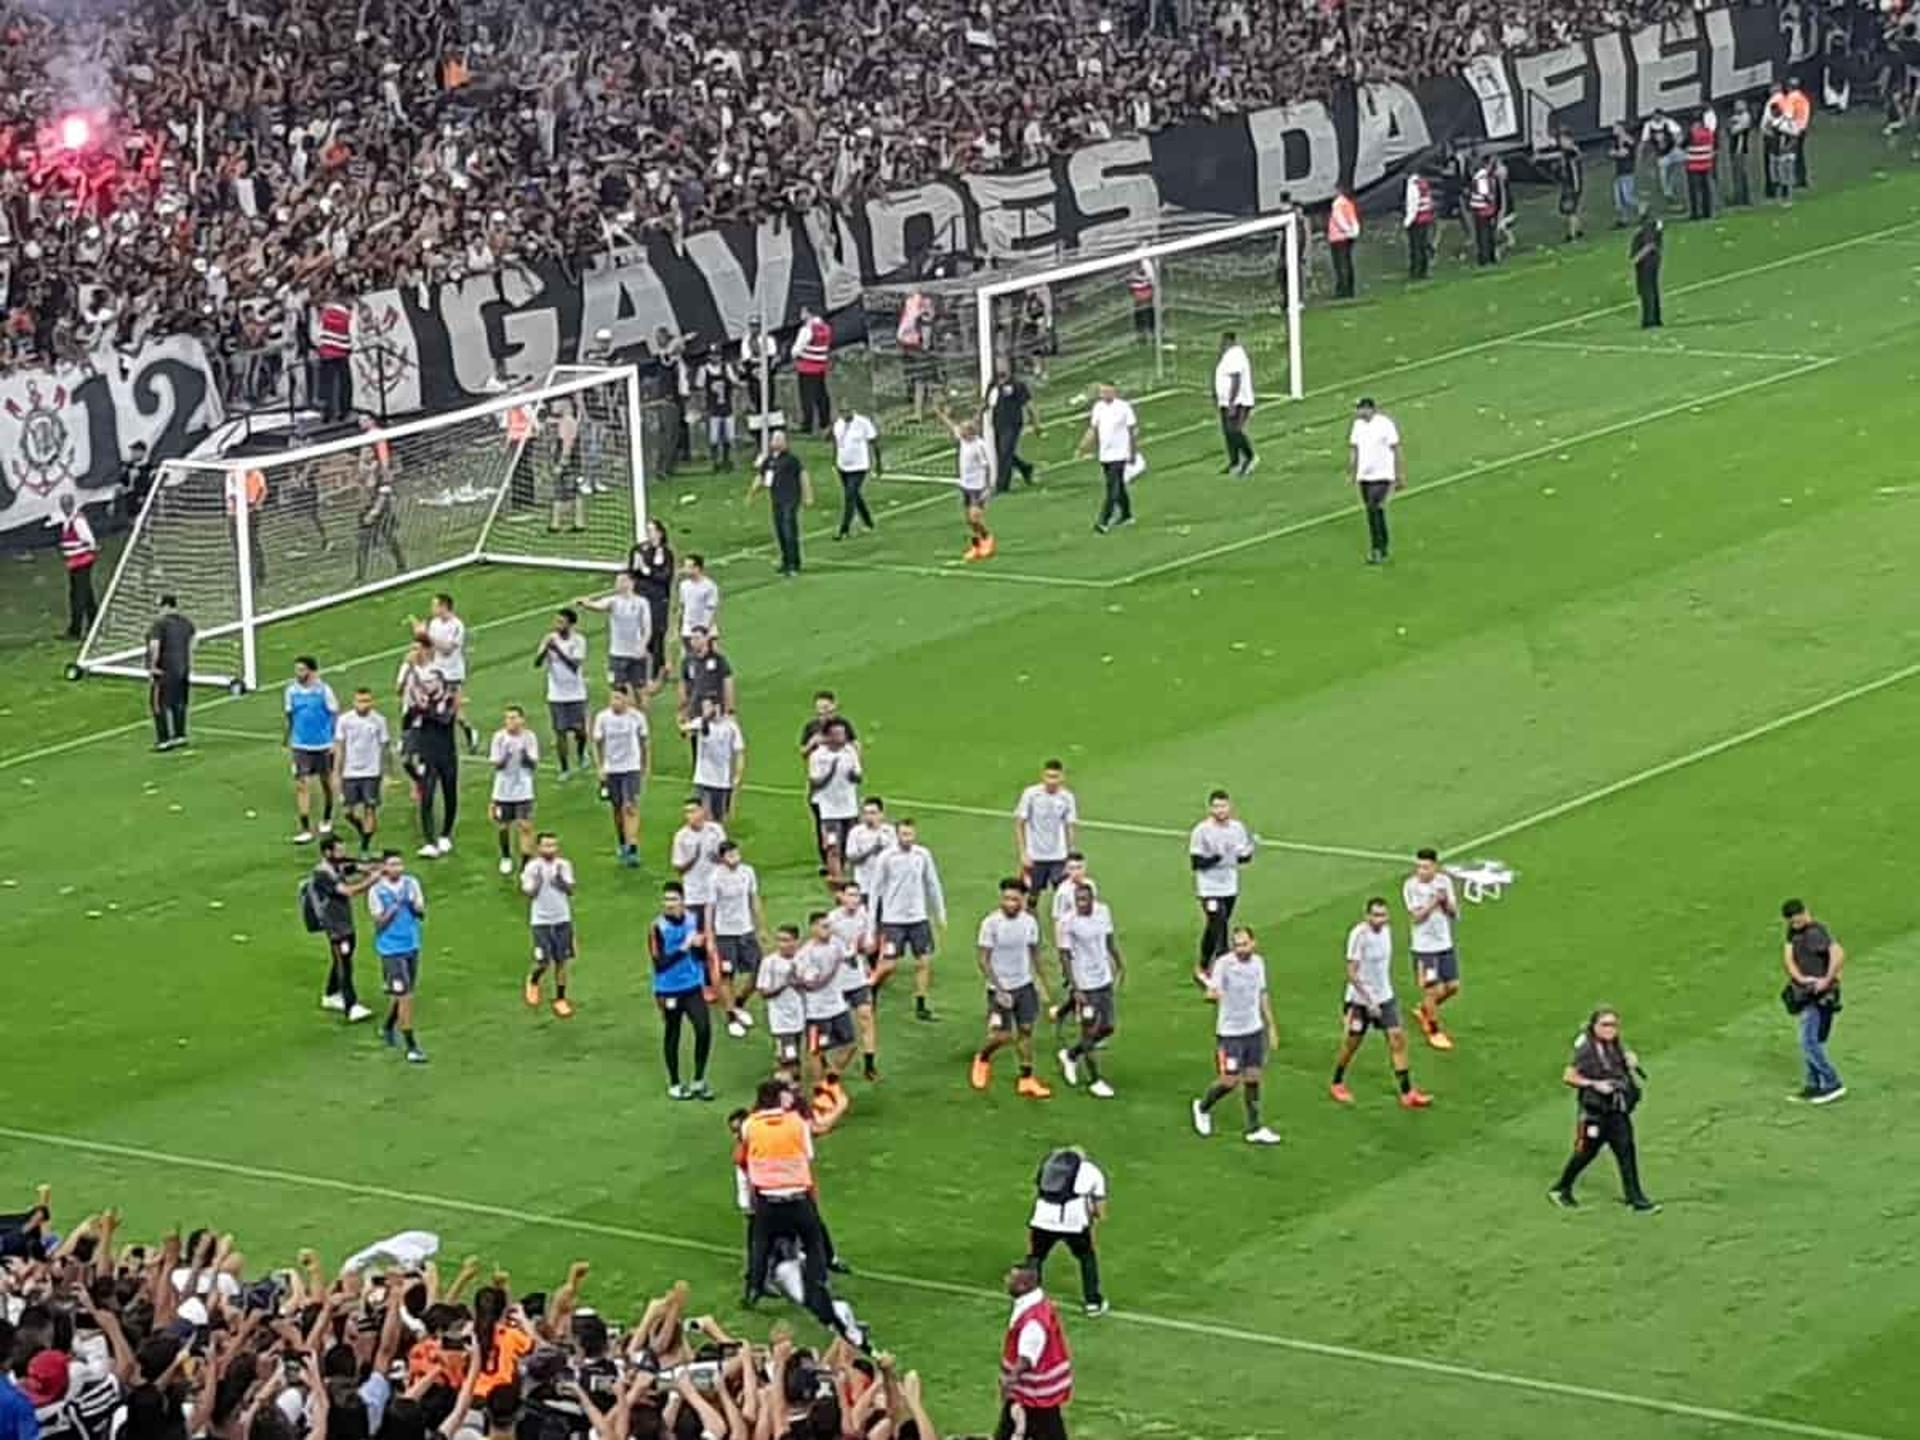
(1146, 317)
(550, 475)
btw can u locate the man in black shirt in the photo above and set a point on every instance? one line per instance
(785, 480)
(332, 888)
(1573, 182)
(1623, 153)
(1812, 958)
(716, 380)
(1011, 404)
(704, 672)
(1644, 251)
(169, 663)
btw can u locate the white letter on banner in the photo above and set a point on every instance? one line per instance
(1269, 129)
(1119, 208)
(459, 308)
(838, 256)
(733, 297)
(628, 301)
(1610, 74)
(1391, 127)
(1727, 77)
(1556, 79)
(1669, 79)
(1011, 223)
(889, 215)
(532, 336)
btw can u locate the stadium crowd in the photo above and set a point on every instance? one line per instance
(100, 1338)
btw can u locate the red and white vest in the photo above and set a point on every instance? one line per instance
(1422, 206)
(815, 348)
(1483, 194)
(1140, 283)
(1048, 1384)
(336, 333)
(1700, 149)
(77, 545)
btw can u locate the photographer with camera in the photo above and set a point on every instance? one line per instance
(1606, 1076)
(1812, 958)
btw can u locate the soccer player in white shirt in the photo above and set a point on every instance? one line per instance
(833, 789)
(779, 985)
(1113, 437)
(1370, 1005)
(547, 882)
(1233, 393)
(629, 634)
(363, 755)
(908, 901)
(445, 636)
(1045, 822)
(735, 925)
(851, 923)
(695, 851)
(514, 754)
(1090, 956)
(1217, 848)
(830, 1030)
(1009, 946)
(699, 597)
(1243, 1031)
(1432, 906)
(973, 473)
(1375, 464)
(623, 758)
(866, 843)
(563, 653)
(719, 757)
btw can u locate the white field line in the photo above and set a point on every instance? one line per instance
(1675, 352)
(1692, 757)
(1484, 467)
(987, 1299)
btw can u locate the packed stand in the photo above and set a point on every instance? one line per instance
(105, 1340)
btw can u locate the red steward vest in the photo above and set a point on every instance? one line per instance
(1699, 149)
(336, 333)
(1484, 196)
(816, 348)
(1422, 201)
(76, 549)
(1140, 285)
(1049, 1384)
(1343, 221)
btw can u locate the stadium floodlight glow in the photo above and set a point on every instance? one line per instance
(551, 475)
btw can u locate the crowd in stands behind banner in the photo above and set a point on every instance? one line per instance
(225, 170)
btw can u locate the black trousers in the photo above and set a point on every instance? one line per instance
(1233, 430)
(1419, 251)
(340, 970)
(797, 1219)
(689, 1009)
(1373, 494)
(1486, 232)
(1737, 168)
(167, 699)
(372, 538)
(1006, 459)
(1030, 1424)
(1116, 505)
(786, 534)
(81, 606)
(335, 383)
(1646, 279)
(438, 776)
(1216, 913)
(1610, 1130)
(1342, 252)
(853, 504)
(1699, 194)
(814, 403)
(1040, 1244)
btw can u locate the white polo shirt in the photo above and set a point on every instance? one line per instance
(1113, 423)
(1233, 361)
(853, 438)
(1076, 1216)
(975, 471)
(1376, 439)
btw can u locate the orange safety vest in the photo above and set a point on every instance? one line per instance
(1343, 221)
(519, 424)
(1799, 108)
(254, 484)
(779, 1146)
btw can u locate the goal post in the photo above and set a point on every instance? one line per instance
(551, 475)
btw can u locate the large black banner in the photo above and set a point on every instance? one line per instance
(437, 347)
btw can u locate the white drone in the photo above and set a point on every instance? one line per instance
(1482, 880)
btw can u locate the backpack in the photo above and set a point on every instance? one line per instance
(310, 910)
(1058, 1173)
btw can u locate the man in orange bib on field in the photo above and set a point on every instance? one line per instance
(776, 1144)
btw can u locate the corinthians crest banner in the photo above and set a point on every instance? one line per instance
(69, 430)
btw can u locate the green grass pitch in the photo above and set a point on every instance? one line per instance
(1648, 636)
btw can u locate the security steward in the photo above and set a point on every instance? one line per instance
(1644, 251)
(1343, 230)
(777, 1143)
(1606, 1077)
(1700, 156)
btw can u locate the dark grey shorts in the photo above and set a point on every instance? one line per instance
(1386, 1017)
(859, 997)
(914, 938)
(1096, 1008)
(623, 787)
(633, 671)
(739, 953)
(313, 762)
(553, 944)
(786, 1048)
(567, 714)
(1437, 967)
(1020, 1014)
(1236, 1054)
(361, 791)
(834, 1033)
(509, 812)
(399, 974)
(1045, 875)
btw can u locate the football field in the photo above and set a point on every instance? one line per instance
(1648, 636)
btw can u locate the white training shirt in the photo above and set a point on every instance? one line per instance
(699, 604)
(854, 931)
(1113, 423)
(778, 983)
(1075, 1217)
(447, 635)
(1371, 952)
(622, 738)
(865, 845)
(906, 887)
(363, 744)
(734, 889)
(1009, 941)
(567, 684)
(1044, 816)
(1375, 439)
(820, 962)
(1233, 847)
(1233, 361)
(513, 758)
(833, 778)
(1239, 984)
(853, 438)
(1063, 896)
(976, 464)
(1084, 938)
(1435, 933)
(629, 626)
(716, 744)
(540, 881)
(693, 852)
